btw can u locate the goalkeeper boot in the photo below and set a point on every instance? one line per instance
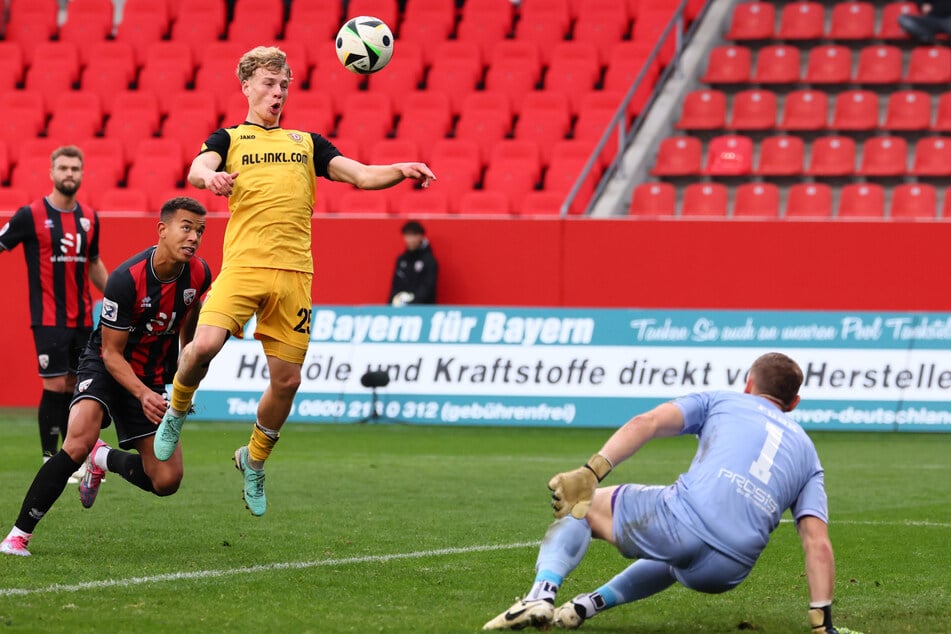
(167, 435)
(253, 482)
(570, 616)
(524, 614)
(16, 545)
(89, 486)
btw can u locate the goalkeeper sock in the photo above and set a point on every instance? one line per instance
(639, 580)
(561, 551)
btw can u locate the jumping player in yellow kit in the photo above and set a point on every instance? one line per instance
(268, 173)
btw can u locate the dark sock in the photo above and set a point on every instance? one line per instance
(48, 485)
(129, 466)
(52, 415)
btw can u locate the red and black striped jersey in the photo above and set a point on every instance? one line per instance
(152, 310)
(58, 247)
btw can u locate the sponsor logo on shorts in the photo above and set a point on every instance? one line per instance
(84, 385)
(44, 360)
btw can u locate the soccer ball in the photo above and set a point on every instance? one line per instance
(364, 45)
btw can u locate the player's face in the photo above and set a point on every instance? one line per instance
(266, 92)
(67, 174)
(182, 235)
(413, 240)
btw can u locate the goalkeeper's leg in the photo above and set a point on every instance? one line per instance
(639, 580)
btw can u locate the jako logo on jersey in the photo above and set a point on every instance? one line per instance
(189, 296)
(82, 387)
(85, 224)
(44, 360)
(246, 137)
(296, 138)
(110, 310)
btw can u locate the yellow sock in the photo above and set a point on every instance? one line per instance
(261, 444)
(182, 395)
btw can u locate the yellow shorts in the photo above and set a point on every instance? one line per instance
(280, 299)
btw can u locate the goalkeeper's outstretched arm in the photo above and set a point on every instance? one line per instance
(820, 572)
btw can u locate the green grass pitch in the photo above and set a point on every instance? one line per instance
(392, 528)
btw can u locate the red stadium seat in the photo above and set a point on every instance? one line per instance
(456, 70)
(157, 11)
(403, 76)
(929, 65)
(69, 123)
(371, 202)
(879, 64)
(829, 64)
(484, 203)
(781, 156)
(855, 110)
(942, 118)
(123, 199)
(832, 156)
(485, 118)
(914, 200)
(32, 175)
(801, 21)
(12, 198)
(777, 64)
(266, 15)
(107, 78)
(703, 110)
(313, 26)
(730, 155)
(386, 10)
(140, 31)
(628, 61)
(523, 150)
(678, 156)
(932, 157)
(852, 21)
(426, 119)
(543, 203)
(884, 156)
(704, 199)
(388, 151)
(514, 81)
(653, 199)
(908, 110)
(754, 110)
(484, 26)
(197, 32)
(756, 200)
(861, 200)
(730, 64)
(4, 161)
(48, 80)
(889, 28)
(544, 118)
(511, 177)
(543, 29)
(805, 110)
(105, 156)
(752, 21)
(415, 203)
(306, 110)
(563, 175)
(441, 15)
(157, 165)
(809, 200)
(573, 78)
(599, 33)
(454, 149)
(31, 22)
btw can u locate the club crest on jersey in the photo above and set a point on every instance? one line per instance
(85, 224)
(44, 360)
(110, 309)
(84, 385)
(296, 138)
(189, 296)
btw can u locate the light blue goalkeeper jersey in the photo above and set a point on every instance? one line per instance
(752, 464)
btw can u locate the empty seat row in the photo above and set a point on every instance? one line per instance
(809, 109)
(782, 156)
(810, 21)
(877, 64)
(803, 200)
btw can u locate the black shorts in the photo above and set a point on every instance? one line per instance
(95, 382)
(58, 349)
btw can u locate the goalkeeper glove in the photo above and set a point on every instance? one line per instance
(572, 491)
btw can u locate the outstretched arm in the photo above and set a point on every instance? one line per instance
(820, 571)
(363, 176)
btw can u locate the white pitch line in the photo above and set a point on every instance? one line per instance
(298, 565)
(291, 565)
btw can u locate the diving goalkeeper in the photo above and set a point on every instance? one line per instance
(707, 529)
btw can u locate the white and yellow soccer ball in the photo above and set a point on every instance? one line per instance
(364, 44)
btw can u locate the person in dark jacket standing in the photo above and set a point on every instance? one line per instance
(934, 20)
(414, 279)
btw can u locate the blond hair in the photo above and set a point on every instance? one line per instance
(269, 57)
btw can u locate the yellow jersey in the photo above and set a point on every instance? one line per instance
(273, 196)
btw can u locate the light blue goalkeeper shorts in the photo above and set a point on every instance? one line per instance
(644, 528)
